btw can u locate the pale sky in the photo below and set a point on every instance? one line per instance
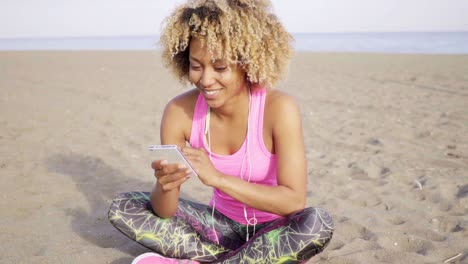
(78, 18)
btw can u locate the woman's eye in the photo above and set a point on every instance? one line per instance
(220, 68)
(194, 67)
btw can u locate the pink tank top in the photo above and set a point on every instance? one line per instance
(262, 164)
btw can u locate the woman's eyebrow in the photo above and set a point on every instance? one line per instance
(216, 61)
(193, 58)
(220, 61)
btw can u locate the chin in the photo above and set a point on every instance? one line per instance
(214, 104)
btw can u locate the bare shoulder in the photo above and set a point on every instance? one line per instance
(282, 118)
(183, 103)
(283, 121)
(176, 123)
(280, 104)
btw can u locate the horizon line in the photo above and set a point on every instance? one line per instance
(292, 33)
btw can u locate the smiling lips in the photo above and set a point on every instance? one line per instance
(210, 94)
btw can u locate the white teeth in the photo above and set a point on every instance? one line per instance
(210, 92)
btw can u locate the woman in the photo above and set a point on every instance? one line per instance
(245, 141)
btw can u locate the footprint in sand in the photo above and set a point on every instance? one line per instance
(374, 142)
(447, 224)
(396, 220)
(357, 173)
(427, 234)
(462, 191)
(405, 243)
(367, 200)
(372, 172)
(355, 230)
(445, 205)
(336, 244)
(343, 193)
(443, 196)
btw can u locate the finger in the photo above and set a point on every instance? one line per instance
(173, 185)
(159, 173)
(172, 168)
(173, 177)
(191, 158)
(189, 151)
(202, 150)
(157, 164)
(162, 168)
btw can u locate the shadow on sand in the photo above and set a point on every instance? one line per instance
(99, 182)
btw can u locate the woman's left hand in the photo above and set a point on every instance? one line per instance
(201, 162)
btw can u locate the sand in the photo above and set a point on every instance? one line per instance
(386, 139)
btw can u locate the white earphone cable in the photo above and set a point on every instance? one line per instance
(207, 132)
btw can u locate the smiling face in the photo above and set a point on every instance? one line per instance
(220, 83)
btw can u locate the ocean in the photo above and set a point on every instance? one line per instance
(394, 42)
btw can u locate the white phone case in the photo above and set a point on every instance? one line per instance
(172, 154)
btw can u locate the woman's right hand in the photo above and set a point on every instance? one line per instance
(170, 176)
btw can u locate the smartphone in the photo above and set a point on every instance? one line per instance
(172, 154)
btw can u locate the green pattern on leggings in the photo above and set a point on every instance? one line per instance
(190, 233)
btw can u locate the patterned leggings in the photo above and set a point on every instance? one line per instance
(189, 233)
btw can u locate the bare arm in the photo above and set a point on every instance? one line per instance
(165, 193)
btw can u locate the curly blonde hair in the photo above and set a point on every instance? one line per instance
(243, 32)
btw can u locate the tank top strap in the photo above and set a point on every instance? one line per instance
(198, 123)
(257, 117)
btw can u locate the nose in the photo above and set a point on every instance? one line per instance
(207, 78)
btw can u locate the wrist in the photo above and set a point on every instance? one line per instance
(158, 188)
(219, 180)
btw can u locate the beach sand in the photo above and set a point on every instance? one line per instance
(386, 139)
